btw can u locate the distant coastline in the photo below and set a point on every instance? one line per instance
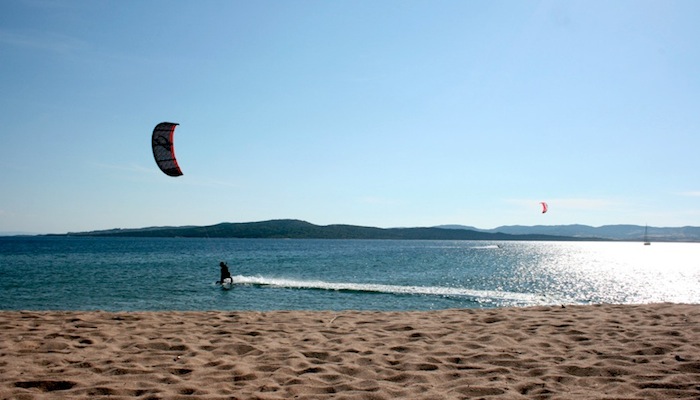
(297, 229)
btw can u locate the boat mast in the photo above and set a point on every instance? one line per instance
(646, 237)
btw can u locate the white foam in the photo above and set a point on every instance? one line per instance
(495, 295)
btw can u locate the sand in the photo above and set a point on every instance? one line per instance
(576, 352)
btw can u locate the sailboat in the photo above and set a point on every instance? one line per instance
(646, 238)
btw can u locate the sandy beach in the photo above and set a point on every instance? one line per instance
(576, 352)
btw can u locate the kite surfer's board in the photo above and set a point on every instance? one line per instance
(227, 283)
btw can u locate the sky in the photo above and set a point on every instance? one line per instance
(378, 113)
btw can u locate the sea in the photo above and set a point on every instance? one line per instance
(180, 274)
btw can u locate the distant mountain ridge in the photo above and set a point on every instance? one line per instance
(296, 229)
(611, 232)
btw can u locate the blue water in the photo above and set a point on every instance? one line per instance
(128, 274)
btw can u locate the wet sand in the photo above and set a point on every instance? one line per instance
(576, 352)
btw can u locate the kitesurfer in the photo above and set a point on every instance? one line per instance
(224, 272)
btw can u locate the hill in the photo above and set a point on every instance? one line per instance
(610, 232)
(296, 229)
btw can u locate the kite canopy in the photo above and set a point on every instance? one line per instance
(544, 207)
(163, 149)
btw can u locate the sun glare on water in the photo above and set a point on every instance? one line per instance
(623, 272)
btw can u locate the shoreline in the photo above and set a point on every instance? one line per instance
(579, 351)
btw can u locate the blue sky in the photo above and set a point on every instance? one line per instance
(364, 112)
